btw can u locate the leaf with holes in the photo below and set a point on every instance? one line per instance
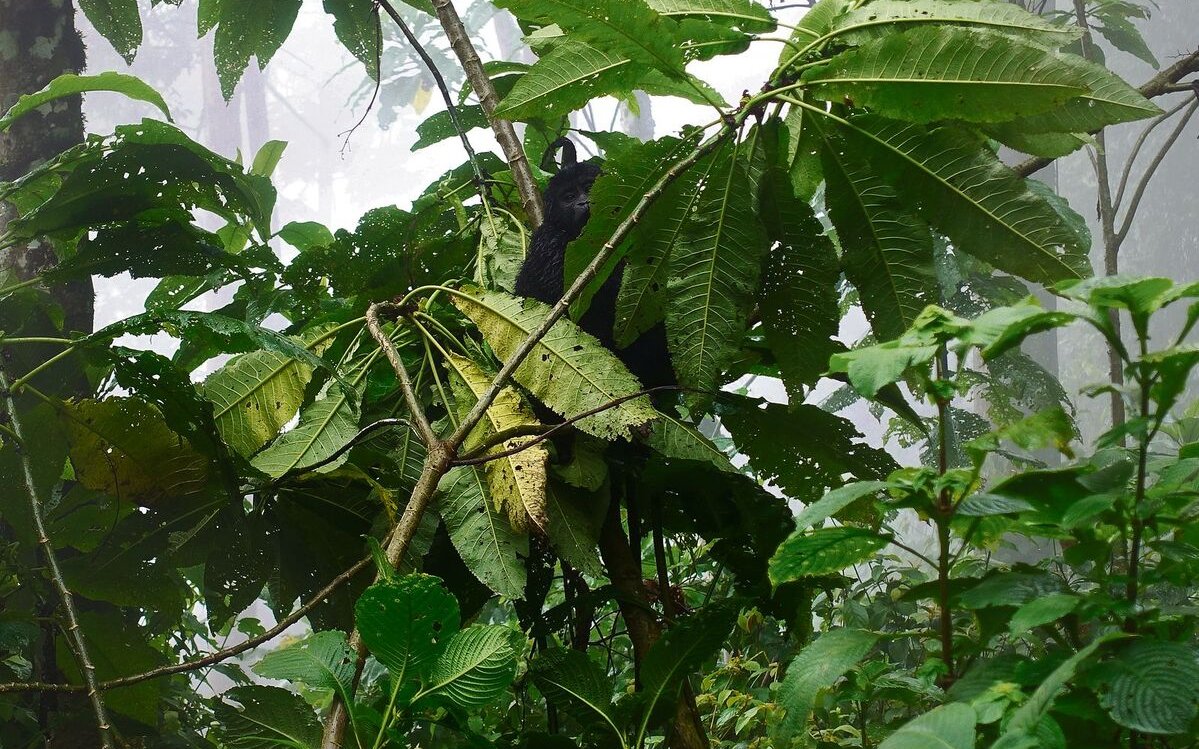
(407, 624)
(515, 482)
(823, 552)
(568, 370)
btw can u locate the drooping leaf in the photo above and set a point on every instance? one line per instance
(245, 30)
(797, 298)
(818, 666)
(356, 24)
(714, 271)
(118, 21)
(932, 73)
(963, 189)
(744, 15)
(517, 482)
(888, 251)
(483, 537)
(567, 370)
(69, 84)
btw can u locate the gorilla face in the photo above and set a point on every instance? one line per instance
(567, 198)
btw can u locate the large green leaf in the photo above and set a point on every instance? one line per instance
(118, 21)
(268, 717)
(325, 427)
(1109, 101)
(946, 727)
(823, 552)
(963, 189)
(568, 370)
(884, 16)
(322, 660)
(888, 251)
(254, 395)
(817, 667)
(483, 537)
(934, 73)
(407, 624)
(624, 27)
(574, 72)
(477, 665)
(245, 30)
(798, 294)
(836, 501)
(1156, 687)
(69, 84)
(572, 681)
(123, 448)
(714, 272)
(356, 22)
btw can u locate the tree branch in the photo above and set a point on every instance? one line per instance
(74, 634)
(505, 134)
(450, 107)
(419, 420)
(1162, 83)
(479, 454)
(211, 658)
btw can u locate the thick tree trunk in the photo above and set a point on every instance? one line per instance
(41, 43)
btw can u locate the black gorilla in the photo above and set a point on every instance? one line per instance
(567, 208)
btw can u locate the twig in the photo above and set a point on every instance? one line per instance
(211, 658)
(1140, 143)
(479, 454)
(1139, 193)
(356, 440)
(74, 633)
(1162, 83)
(451, 108)
(505, 134)
(419, 420)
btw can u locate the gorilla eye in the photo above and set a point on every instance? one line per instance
(569, 196)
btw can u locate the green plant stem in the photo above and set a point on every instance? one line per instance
(35, 339)
(74, 633)
(942, 518)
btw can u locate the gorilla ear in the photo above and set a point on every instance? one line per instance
(569, 155)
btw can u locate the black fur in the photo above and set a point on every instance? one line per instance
(567, 209)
